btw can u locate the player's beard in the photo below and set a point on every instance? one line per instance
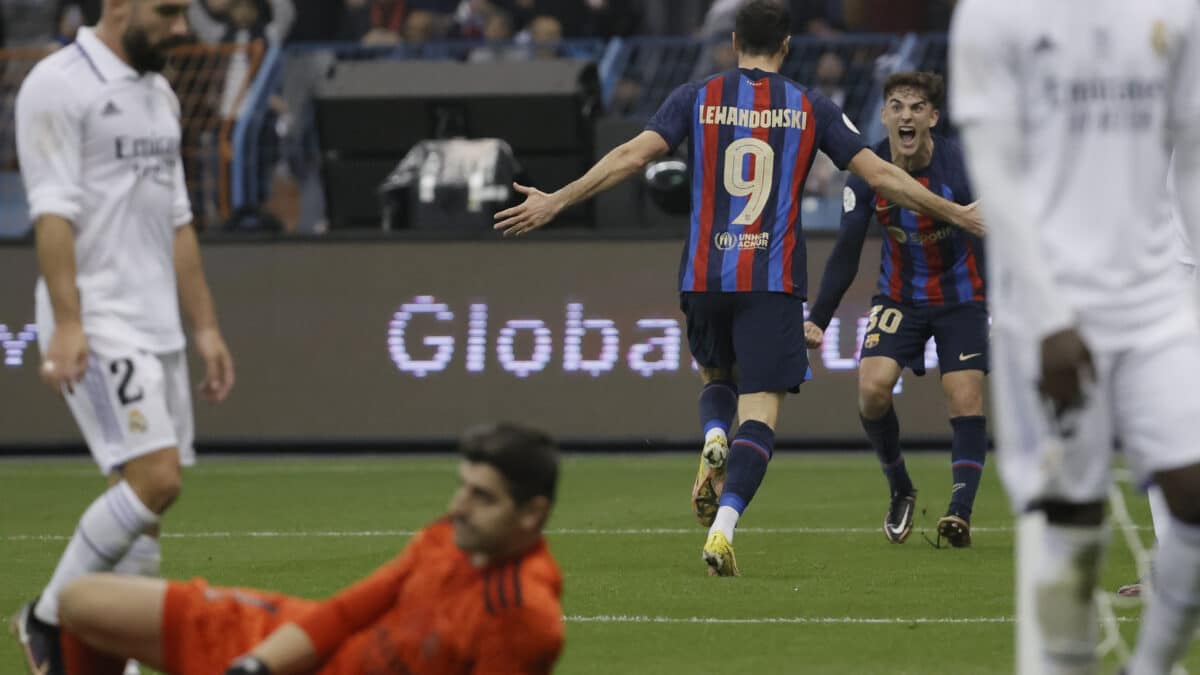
(144, 56)
(465, 536)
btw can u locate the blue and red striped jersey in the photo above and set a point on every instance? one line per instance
(923, 262)
(754, 135)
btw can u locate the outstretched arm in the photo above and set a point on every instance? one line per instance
(842, 265)
(539, 208)
(894, 183)
(299, 646)
(286, 651)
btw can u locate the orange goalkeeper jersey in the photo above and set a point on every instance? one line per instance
(431, 611)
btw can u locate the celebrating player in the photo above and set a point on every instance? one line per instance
(476, 592)
(98, 137)
(753, 136)
(930, 284)
(1069, 111)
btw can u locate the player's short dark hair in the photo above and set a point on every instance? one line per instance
(930, 84)
(762, 26)
(527, 458)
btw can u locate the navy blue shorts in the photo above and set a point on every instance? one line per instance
(900, 331)
(761, 333)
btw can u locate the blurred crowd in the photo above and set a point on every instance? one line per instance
(393, 22)
(484, 30)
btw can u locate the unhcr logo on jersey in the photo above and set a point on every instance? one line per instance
(746, 241)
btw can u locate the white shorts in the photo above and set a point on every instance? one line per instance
(134, 404)
(1144, 397)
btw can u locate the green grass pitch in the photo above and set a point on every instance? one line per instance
(821, 591)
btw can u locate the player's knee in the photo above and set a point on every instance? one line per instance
(965, 403)
(964, 392)
(164, 489)
(157, 480)
(760, 406)
(874, 398)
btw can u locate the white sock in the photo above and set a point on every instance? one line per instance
(1160, 515)
(104, 534)
(1066, 609)
(715, 432)
(1031, 532)
(725, 522)
(1170, 617)
(143, 559)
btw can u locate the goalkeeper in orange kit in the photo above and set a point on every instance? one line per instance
(476, 592)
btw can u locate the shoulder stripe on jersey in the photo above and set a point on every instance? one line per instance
(746, 257)
(973, 270)
(968, 284)
(722, 201)
(90, 62)
(499, 576)
(930, 252)
(890, 284)
(799, 175)
(487, 598)
(704, 215)
(776, 270)
(516, 579)
(730, 280)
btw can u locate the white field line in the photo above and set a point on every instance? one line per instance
(330, 534)
(802, 620)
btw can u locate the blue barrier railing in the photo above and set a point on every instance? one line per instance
(457, 50)
(244, 167)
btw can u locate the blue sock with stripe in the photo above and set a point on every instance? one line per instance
(749, 454)
(718, 405)
(967, 455)
(885, 439)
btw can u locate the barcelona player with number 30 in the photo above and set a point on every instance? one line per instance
(930, 285)
(752, 135)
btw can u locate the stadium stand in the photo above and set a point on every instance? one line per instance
(253, 149)
(212, 83)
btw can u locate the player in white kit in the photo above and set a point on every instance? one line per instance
(1070, 110)
(1160, 515)
(98, 136)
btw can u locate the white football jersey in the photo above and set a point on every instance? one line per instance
(99, 146)
(1186, 254)
(1097, 87)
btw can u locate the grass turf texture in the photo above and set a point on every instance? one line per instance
(636, 595)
